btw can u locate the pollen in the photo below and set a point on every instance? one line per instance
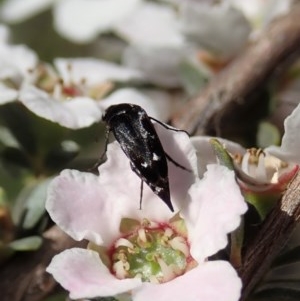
(152, 252)
(261, 166)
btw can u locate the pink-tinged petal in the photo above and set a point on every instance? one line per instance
(117, 176)
(124, 188)
(157, 23)
(19, 10)
(290, 145)
(261, 12)
(206, 154)
(203, 20)
(160, 65)
(84, 275)
(93, 71)
(16, 61)
(81, 21)
(210, 281)
(179, 147)
(76, 113)
(7, 94)
(79, 205)
(155, 102)
(215, 210)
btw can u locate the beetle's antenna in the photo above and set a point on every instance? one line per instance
(177, 164)
(168, 127)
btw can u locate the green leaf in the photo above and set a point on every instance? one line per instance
(17, 119)
(263, 203)
(267, 135)
(31, 243)
(7, 139)
(193, 77)
(30, 204)
(222, 154)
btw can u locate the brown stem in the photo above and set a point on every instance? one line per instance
(23, 278)
(273, 235)
(234, 90)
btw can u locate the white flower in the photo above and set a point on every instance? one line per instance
(92, 207)
(263, 170)
(153, 25)
(219, 28)
(78, 20)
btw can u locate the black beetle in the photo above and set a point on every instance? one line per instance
(134, 131)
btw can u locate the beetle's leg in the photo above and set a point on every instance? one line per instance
(141, 194)
(168, 127)
(100, 160)
(106, 144)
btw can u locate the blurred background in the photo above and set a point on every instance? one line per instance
(63, 62)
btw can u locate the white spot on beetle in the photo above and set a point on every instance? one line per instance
(158, 189)
(144, 164)
(155, 157)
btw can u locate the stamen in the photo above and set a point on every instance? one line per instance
(122, 242)
(57, 90)
(167, 271)
(245, 163)
(179, 243)
(121, 269)
(153, 279)
(142, 235)
(261, 173)
(168, 232)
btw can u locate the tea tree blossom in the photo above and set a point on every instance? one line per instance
(68, 93)
(261, 12)
(72, 92)
(15, 61)
(143, 250)
(263, 173)
(78, 20)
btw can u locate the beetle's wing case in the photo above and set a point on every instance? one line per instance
(138, 139)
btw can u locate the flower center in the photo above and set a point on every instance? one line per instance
(153, 252)
(45, 78)
(261, 166)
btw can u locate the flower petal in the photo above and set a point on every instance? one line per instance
(155, 102)
(16, 61)
(160, 65)
(206, 154)
(210, 281)
(290, 145)
(179, 147)
(84, 275)
(19, 10)
(125, 186)
(93, 71)
(215, 210)
(72, 197)
(157, 26)
(76, 113)
(229, 28)
(7, 94)
(81, 21)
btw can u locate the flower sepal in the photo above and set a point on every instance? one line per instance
(264, 199)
